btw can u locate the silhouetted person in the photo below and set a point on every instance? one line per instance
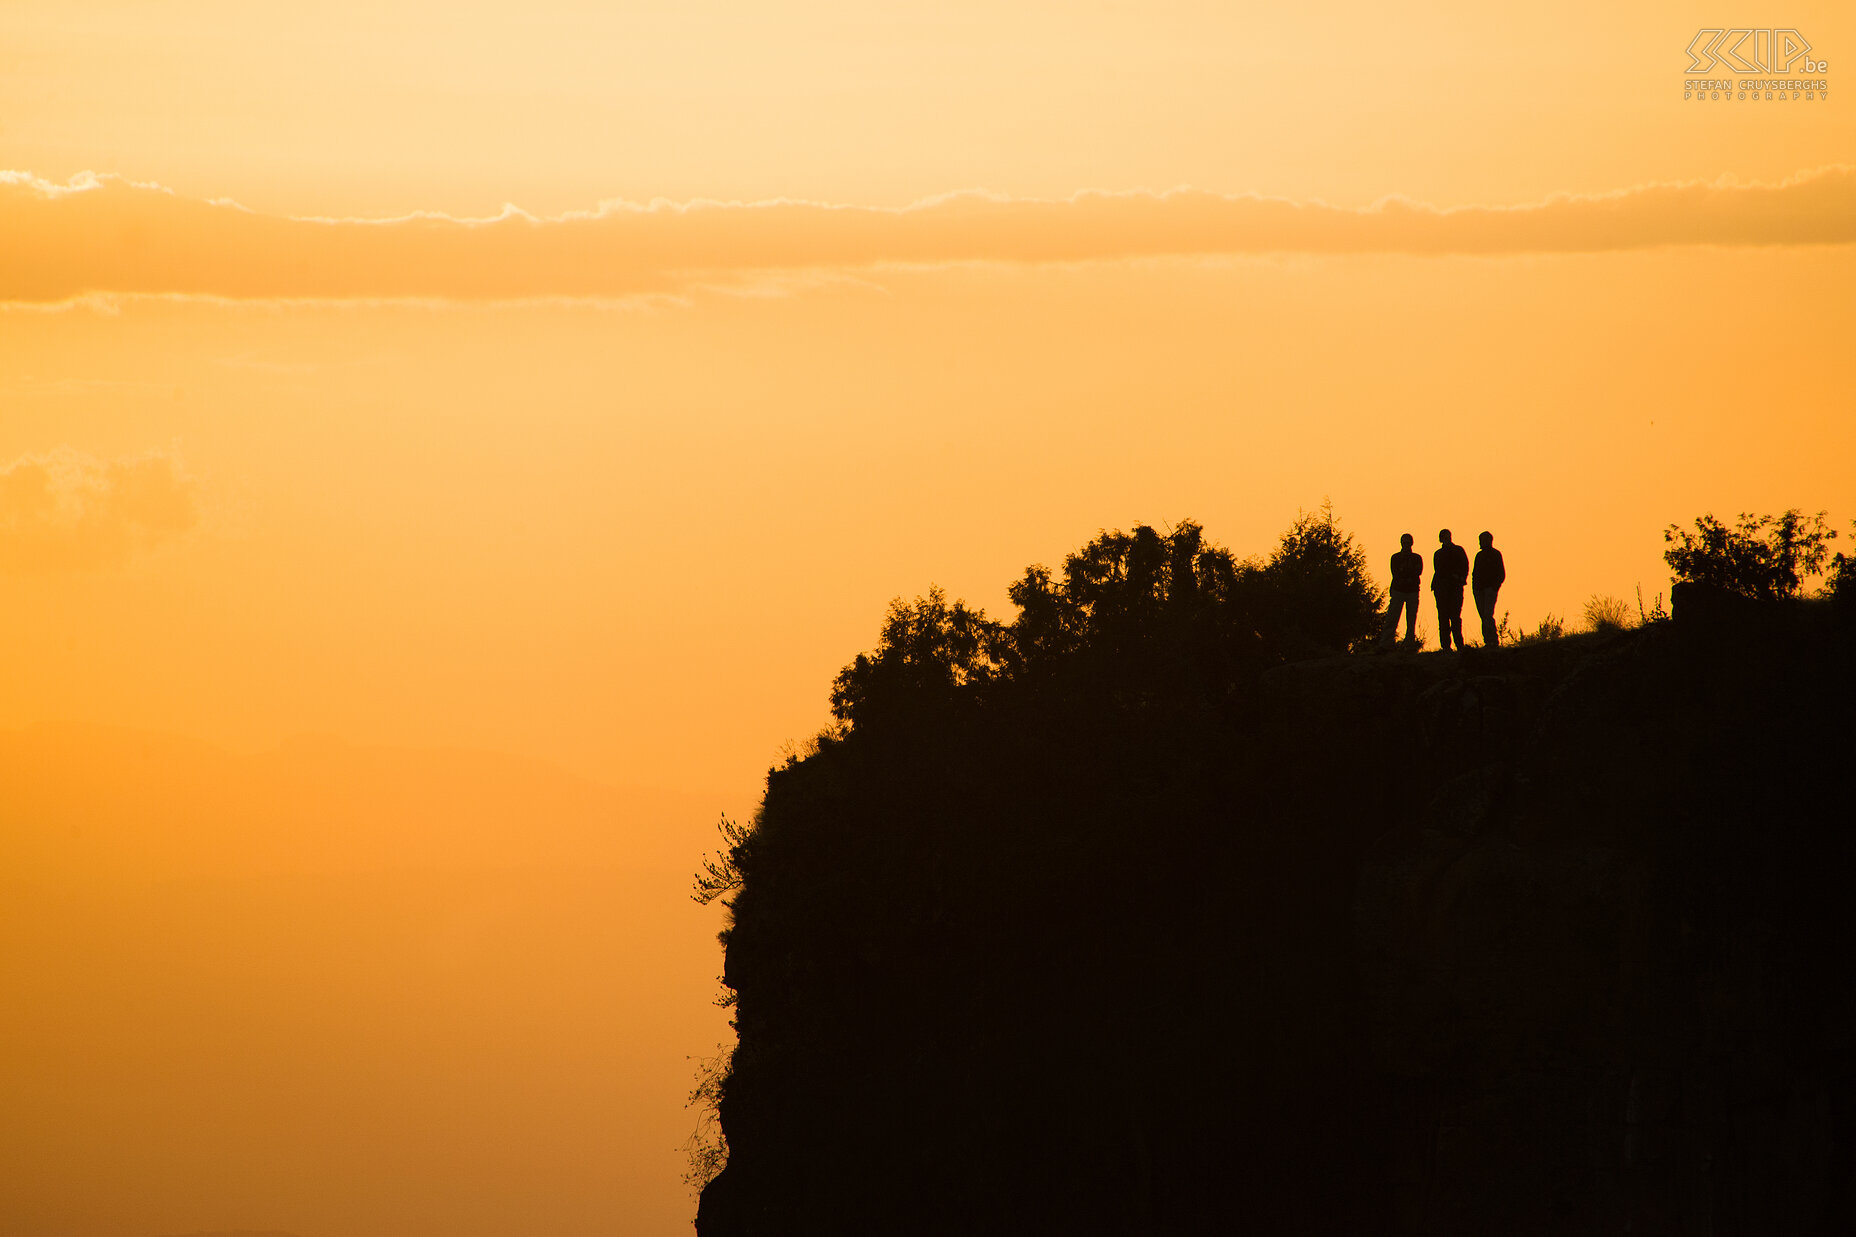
(1484, 584)
(1449, 573)
(1407, 572)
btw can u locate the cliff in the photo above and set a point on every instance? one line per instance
(1537, 940)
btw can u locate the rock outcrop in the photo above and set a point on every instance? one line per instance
(1527, 941)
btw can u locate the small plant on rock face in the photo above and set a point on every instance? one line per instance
(1551, 627)
(1607, 614)
(1655, 614)
(706, 1149)
(721, 872)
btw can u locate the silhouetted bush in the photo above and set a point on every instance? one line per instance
(1762, 557)
(1319, 584)
(1128, 605)
(1131, 615)
(1607, 614)
(928, 654)
(1551, 627)
(1840, 580)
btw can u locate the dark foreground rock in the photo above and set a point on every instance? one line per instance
(1548, 940)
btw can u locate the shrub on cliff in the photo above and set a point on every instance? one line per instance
(1133, 615)
(928, 654)
(1318, 583)
(1840, 580)
(1551, 627)
(1607, 614)
(1138, 614)
(1762, 557)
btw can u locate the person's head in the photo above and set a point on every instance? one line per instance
(1404, 542)
(1443, 536)
(1487, 539)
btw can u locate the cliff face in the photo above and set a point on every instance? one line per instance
(1536, 940)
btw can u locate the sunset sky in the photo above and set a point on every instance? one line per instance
(447, 450)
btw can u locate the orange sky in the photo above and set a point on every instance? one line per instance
(303, 431)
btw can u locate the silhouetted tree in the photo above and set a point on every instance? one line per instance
(928, 651)
(1318, 583)
(1126, 602)
(1762, 557)
(1840, 580)
(1132, 616)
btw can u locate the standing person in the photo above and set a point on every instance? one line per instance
(1407, 571)
(1449, 573)
(1484, 584)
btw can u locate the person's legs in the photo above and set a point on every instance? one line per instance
(1443, 622)
(1408, 602)
(1485, 606)
(1456, 617)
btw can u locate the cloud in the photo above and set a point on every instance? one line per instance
(68, 511)
(101, 236)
